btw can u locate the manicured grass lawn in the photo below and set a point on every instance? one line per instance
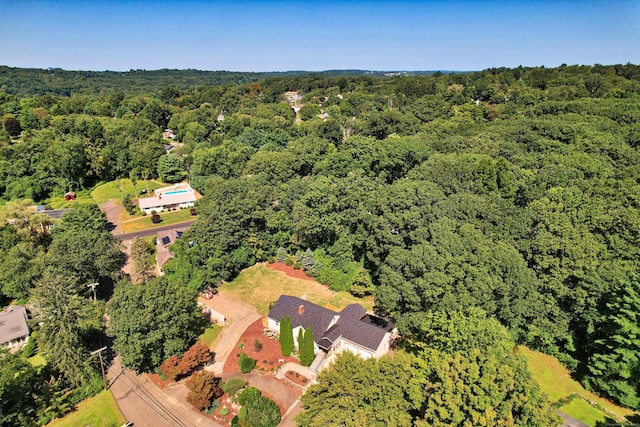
(555, 380)
(261, 287)
(210, 334)
(98, 411)
(581, 410)
(168, 218)
(83, 197)
(104, 192)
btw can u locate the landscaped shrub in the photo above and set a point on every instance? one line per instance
(224, 411)
(246, 363)
(257, 345)
(257, 410)
(249, 394)
(214, 405)
(233, 385)
(175, 367)
(171, 368)
(203, 389)
(197, 356)
(155, 218)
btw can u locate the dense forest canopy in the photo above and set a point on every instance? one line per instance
(37, 82)
(515, 192)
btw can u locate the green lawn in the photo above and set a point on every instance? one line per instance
(583, 411)
(105, 192)
(556, 382)
(98, 411)
(210, 334)
(83, 197)
(144, 222)
(260, 287)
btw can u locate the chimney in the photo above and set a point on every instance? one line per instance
(300, 309)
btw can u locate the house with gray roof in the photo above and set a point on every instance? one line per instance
(351, 329)
(163, 240)
(14, 331)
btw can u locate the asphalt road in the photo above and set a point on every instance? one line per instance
(153, 231)
(146, 405)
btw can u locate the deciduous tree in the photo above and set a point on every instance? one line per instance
(152, 322)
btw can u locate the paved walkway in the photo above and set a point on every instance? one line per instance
(295, 367)
(239, 316)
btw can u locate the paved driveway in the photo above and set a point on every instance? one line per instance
(239, 316)
(112, 212)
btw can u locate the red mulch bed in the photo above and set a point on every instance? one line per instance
(267, 359)
(157, 380)
(296, 378)
(288, 270)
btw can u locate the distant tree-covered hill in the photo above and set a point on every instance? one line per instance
(56, 81)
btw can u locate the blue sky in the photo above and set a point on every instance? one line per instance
(265, 35)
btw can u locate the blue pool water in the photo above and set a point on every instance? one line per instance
(175, 192)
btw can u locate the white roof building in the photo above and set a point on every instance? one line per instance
(174, 197)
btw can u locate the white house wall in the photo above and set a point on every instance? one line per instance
(343, 344)
(273, 325)
(383, 348)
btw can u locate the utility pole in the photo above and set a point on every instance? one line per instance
(99, 351)
(93, 288)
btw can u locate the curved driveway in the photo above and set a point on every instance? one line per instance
(239, 316)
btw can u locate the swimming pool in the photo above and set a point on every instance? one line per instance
(176, 192)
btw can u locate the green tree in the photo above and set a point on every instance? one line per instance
(286, 336)
(308, 261)
(20, 268)
(170, 169)
(473, 376)
(152, 322)
(614, 367)
(141, 259)
(307, 349)
(483, 387)
(19, 392)
(203, 389)
(63, 313)
(357, 392)
(85, 256)
(257, 410)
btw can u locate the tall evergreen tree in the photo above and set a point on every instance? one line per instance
(62, 314)
(614, 367)
(307, 349)
(286, 336)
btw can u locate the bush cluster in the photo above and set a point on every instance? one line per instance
(246, 363)
(197, 356)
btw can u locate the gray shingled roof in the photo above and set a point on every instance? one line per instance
(13, 324)
(313, 315)
(353, 323)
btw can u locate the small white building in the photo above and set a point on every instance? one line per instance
(174, 197)
(14, 331)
